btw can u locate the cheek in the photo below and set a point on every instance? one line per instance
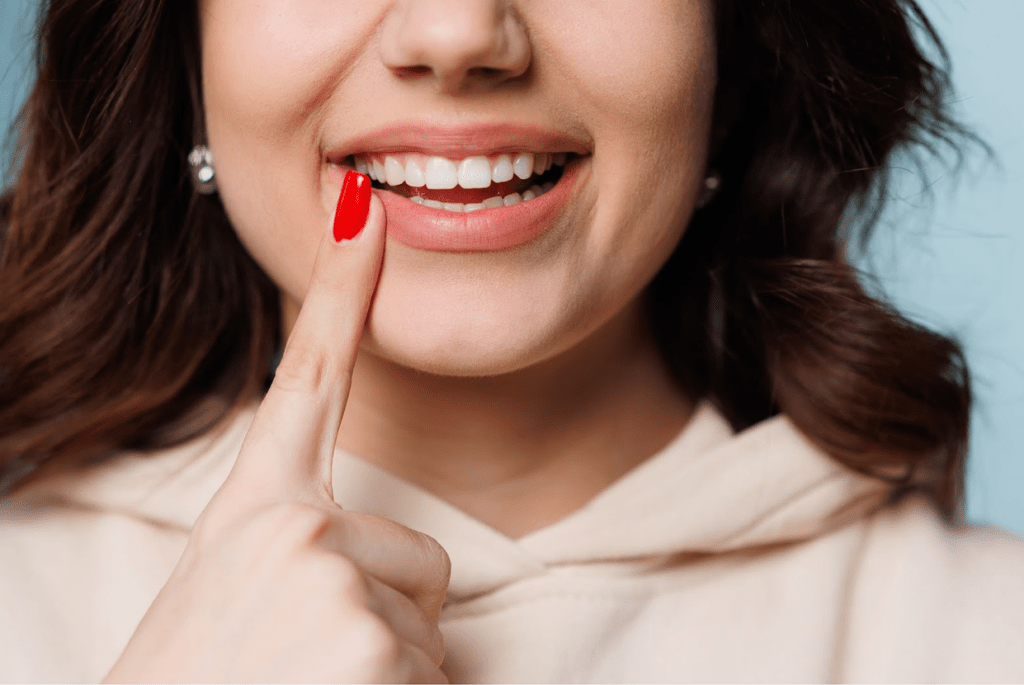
(248, 86)
(271, 69)
(650, 64)
(645, 77)
(272, 65)
(252, 81)
(645, 73)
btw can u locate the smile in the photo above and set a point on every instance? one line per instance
(469, 188)
(469, 184)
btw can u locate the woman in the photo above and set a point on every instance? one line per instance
(589, 374)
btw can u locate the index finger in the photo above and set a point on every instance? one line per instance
(288, 451)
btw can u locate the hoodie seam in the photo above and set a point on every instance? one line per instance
(458, 613)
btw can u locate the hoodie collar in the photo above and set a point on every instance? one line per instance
(708, 491)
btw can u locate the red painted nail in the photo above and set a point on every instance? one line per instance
(353, 206)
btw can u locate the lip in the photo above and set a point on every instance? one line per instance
(485, 230)
(457, 142)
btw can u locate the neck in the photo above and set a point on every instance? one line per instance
(522, 450)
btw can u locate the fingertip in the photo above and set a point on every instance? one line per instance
(352, 212)
(370, 240)
(376, 218)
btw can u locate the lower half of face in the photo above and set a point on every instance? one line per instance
(613, 111)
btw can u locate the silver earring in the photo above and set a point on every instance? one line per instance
(203, 174)
(712, 182)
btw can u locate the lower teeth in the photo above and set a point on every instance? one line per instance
(491, 203)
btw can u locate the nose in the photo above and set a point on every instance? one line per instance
(461, 44)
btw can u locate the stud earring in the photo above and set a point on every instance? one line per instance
(712, 183)
(203, 173)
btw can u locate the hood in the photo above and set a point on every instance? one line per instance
(708, 491)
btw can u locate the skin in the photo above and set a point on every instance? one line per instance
(515, 384)
(510, 382)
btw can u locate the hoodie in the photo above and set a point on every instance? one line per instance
(725, 557)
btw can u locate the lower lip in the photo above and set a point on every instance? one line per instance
(485, 230)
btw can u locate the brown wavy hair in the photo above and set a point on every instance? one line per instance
(133, 317)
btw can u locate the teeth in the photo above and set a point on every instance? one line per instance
(475, 172)
(523, 165)
(394, 172)
(540, 163)
(534, 192)
(442, 174)
(503, 170)
(415, 176)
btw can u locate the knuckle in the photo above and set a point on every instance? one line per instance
(285, 524)
(377, 644)
(293, 515)
(286, 528)
(437, 561)
(302, 369)
(292, 524)
(336, 577)
(436, 648)
(205, 533)
(348, 578)
(324, 281)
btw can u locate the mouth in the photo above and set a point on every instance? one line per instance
(469, 184)
(468, 188)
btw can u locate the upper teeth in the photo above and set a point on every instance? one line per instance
(441, 173)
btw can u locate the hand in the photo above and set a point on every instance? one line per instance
(277, 582)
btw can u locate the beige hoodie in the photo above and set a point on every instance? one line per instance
(723, 558)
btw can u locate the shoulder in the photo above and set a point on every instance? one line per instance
(73, 585)
(83, 555)
(935, 601)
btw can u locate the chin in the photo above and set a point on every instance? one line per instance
(454, 351)
(444, 361)
(462, 342)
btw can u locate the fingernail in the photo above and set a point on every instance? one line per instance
(353, 206)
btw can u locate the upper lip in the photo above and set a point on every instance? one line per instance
(457, 142)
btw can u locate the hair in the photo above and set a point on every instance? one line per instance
(134, 319)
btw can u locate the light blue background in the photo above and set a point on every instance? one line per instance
(953, 262)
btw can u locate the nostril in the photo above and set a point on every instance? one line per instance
(419, 70)
(454, 44)
(485, 72)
